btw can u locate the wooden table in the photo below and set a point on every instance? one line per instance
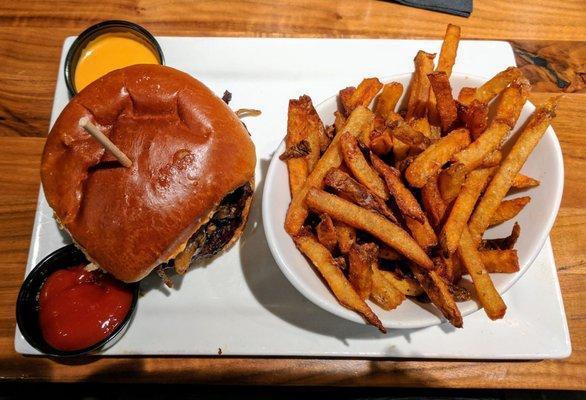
(31, 36)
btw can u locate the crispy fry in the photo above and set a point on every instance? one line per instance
(493, 304)
(447, 57)
(422, 232)
(408, 135)
(332, 158)
(405, 200)
(492, 160)
(460, 293)
(364, 93)
(501, 182)
(422, 125)
(508, 209)
(433, 204)
(346, 236)
(369, 221)
(490, 89)
(405, 284)
(345, 95)
(453, 268)
(361, 258)
(326, 233)
(383, 292)
(508, 110)
(419, 93)
(462, 209)
(450, 181)
(360, 168)
(349, 189)
(339, 121)
(429, 163)
(506, 243)
(341, 288)
(381, 142)
(445, 104)
(386, 253)
(439, 293)
(475, 117)
(500, 261)
(301, 149)
(388, 99)
(466, 95)
(523, 182)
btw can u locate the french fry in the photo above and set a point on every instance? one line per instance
(339, 121)
(508, 209)
(405, 200)
(341, 288)
(466, 95)
(433, 204)
(462, 209)
(408, 135)
(422, 232)
(453, 268)
(422, 125)
(523, 182)
(511, 165)
(492, 160)
(364, 93)
(445, 104)
(490, 89)
(400, 150)
(344, 97)
(381, 142)
(388, 99)
(419, 93)
(439, 293)
(506, 243)
(360, 168)
(406, 285)
(361, 257)
(346, 236)
(493, 304)
(383, 292)
(450, 181)
(508, 110)
(500, 261)
(332, 158)
(326, 233)
(447, 57)
(387, 253)
(349, 189)
(369, 221)
(429, 163)
(475, 117)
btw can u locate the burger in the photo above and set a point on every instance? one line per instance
(186, 195)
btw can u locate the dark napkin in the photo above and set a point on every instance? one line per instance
(462, 8)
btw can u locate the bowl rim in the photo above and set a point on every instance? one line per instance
(38, 342)
(339, 310)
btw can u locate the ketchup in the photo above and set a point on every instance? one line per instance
(79, 308)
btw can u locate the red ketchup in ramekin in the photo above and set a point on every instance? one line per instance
(79, 308)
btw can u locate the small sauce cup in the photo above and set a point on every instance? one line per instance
(27, 304)
(126, 33)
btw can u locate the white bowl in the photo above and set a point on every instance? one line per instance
(536, 220)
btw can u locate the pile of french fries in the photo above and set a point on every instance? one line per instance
(392, 204)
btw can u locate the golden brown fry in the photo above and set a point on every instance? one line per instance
(453, 268)
(360, 168)
(501, 182)
(466, 95)
(439, 293)
(346, 236)
(383, 292)
(361, 258)
(364, 93)
(523, 182)
(326, 233)
(419, 93)
(422, 232)
(429, 163)
(491, 88)
(339, 121)
(508, 209)
(388, 99)
(445, 104)
(492, 160)
(405, 284)
(506, 243)
(433, 204)
(349, 189)
(381, 142)
(341, 288)
(447, 57)
(508, 110)
(408, 135)
(450, 181)
(475, 117)
(405, 200)
(422, 125)
(332, 158)
(462, 209)
(369, 221)
(500, 261)
(493, 304)
(345, 95)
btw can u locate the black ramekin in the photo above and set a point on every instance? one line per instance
(27, 304)
(96, 30)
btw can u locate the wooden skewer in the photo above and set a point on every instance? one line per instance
(104, 141)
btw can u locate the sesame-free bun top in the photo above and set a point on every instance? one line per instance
(188, 150)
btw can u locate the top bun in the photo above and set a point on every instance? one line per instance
(188, 151)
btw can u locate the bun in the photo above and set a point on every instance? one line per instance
(188, 149)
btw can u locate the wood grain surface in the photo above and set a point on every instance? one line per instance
(547, 36)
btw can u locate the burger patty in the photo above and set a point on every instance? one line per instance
(214, 235)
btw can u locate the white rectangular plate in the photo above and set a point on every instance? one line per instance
(240, 302)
